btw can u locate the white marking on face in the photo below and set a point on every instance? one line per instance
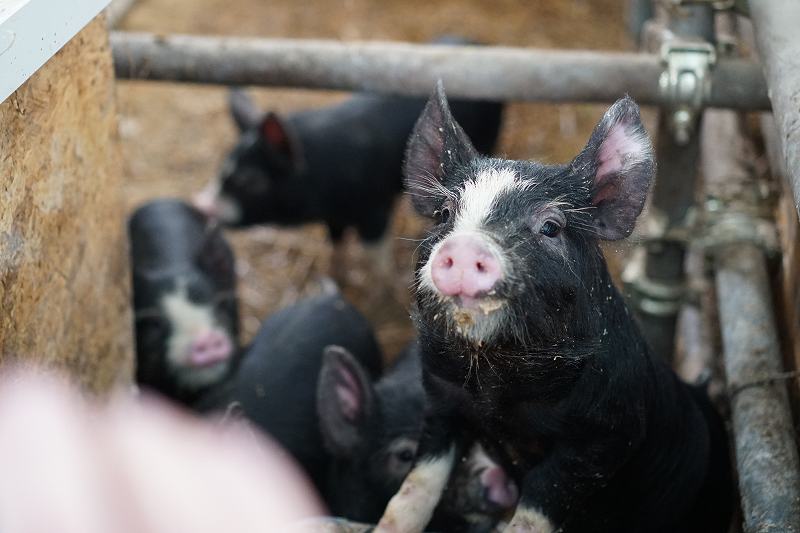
(187, 320)
(412, 507)
(529, 520)
(228, 210)
(476, 199)
(479, 196)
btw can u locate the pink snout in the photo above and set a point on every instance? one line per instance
(499, 489)
(465, 266)
(209, 348)
(205, 201)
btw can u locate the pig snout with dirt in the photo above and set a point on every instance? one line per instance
(372, 430)
(185, 305)
(275, 386)
(528, 347)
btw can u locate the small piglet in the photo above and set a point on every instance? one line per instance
(184, 283)
(372, 430)
(529, 349)
(341, 165)
(275, 385)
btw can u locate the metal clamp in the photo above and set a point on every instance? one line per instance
(685, 83)
(731, 228)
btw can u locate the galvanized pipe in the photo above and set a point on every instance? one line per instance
(776, 24)
(766, 452)
(491, 72)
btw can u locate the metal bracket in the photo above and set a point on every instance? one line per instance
(653, 297)
(685, 83)
(730, 228)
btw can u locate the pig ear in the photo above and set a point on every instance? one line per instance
(277, 135)
(436, 147)
(243, 110)
(619, 163)
(344, 401)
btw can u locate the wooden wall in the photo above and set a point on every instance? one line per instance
(64, 281)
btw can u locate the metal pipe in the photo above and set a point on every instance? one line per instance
(492, 73)
(766, 452)
(117, 10)
(776, 23)
(659, 289)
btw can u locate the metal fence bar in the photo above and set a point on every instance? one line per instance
(766, 453)
(776, 24)
(495, 73)
(117, 10)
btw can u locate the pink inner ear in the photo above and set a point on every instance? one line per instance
(347, 391)
(273, 131)
(616, 151)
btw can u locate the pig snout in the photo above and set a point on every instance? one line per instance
(205, 201)
(209, 348)
(498, 488)
(465, 266)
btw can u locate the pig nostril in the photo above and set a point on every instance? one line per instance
(448, 263)
(481, 267)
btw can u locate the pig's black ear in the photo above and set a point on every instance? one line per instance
(436, 147)
(344, 401)
(619, 164)
(277, 134)
(243, 110)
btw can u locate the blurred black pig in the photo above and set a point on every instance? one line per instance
(528, 348)
(372, 430)
(340, 165)
(275, 385)
(184, 283)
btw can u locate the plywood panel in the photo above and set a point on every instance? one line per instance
(64, 282)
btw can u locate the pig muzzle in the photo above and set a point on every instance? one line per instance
(210, 348)
(465, 268)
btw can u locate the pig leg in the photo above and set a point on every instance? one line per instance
(565, 479)
(529, 520)
(410, 510)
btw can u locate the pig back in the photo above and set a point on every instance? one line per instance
(276, 382)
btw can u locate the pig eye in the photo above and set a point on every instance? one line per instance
(400, 456)
(405, 456)
(550, 228)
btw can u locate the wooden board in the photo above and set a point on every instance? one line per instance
(64, 279)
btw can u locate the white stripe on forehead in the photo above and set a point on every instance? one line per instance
(478, 196)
